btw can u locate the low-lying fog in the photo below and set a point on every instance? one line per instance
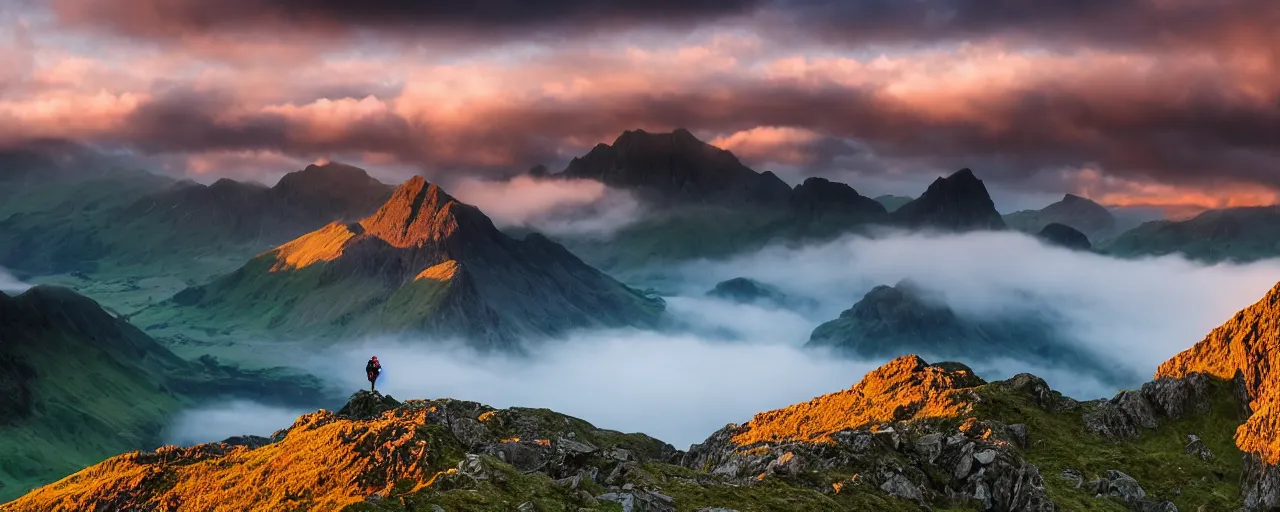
(680, 387)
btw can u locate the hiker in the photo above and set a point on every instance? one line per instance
(372, 369)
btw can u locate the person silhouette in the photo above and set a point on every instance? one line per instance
(371, 370)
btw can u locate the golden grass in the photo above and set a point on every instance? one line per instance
(440, 272)
(325, 244)
(905, 388)
(1249, 343)
(324, 463)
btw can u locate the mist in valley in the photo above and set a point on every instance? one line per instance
(10, 284)
(725, 361)
(720, 362)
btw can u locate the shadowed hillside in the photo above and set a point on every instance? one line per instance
(79, 384)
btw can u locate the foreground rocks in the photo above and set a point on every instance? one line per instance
(910, 435)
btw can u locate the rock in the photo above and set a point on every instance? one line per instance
(1073, 476)
(367, 404)
(787, 464)
(1121, 416)
(374, 498)
(899, 486)
(527, 506)
(1124, 487)
(965, 462)
(640, 501)
(1196, 447)
(1019, 433)
(985, 457)
(1260, 484)
(569, 446)
(437, 508)
(929, 446)
(1176, 398)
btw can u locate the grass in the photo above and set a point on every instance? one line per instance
(1156, 459)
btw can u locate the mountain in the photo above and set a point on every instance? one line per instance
(892, 203)
(129, 239)
(819, 201)
(905, 319)
(1246, 351)
(749, 291)
(677, 168)
(1233, 234)
(423, 263)
(1088, 217)
(959, 202)
(909, 435)
(79, 384)
(1066, 236)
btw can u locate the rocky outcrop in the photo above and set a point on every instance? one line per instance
(1129, 491)
(678, 169)
(878, 428)
(959, 202)
(1066, 236)
(1131, 412)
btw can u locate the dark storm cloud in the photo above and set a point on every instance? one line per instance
(1074, 22)
(171, 18)
(1077, 22)
(1200, 137)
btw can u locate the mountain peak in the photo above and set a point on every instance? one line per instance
(957, 202)
(417, 212)
(822, 198)
(1246, 349)
(677, 168)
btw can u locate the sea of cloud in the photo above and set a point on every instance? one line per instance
(729, 361)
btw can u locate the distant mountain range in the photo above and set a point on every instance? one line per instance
(908, 435)
(423, 263)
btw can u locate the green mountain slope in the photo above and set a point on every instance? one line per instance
(424, 263)
(79, 384)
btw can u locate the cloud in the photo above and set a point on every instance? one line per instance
(216, 422)
(1139, 312)
(552, 206)
(724, 362)
(10, 284)
(178, 19)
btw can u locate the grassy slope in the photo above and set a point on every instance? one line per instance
(97, 390)
(1156, 459)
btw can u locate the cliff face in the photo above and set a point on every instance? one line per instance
(1246, 348)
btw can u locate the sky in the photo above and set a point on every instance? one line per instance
(1129, 102)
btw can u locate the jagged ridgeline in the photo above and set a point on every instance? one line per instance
(910, 435)
(424, 263)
